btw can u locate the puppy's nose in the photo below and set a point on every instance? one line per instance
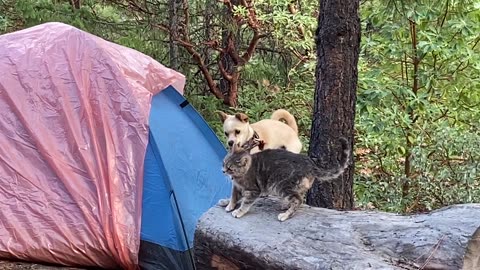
(230, 143)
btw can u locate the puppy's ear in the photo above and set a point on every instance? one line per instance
(242, 117)
(223, 116)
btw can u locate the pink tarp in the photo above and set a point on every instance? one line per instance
(74, 114)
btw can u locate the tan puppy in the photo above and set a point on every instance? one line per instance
(271, 133)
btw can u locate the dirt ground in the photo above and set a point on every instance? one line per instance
(7, 265)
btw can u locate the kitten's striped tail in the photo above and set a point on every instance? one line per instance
(328, 175)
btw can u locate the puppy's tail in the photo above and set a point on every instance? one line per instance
(330, 174)
(288, 117)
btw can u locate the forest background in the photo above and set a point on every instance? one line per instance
(417, 112)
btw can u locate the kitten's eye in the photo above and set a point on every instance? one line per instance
(226, 134)
(237, 131)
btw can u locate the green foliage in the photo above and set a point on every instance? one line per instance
(259, 99)
(417, 97)
(101, 19)
(284, 25)
(435, 119)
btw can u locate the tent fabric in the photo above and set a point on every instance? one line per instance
(156, 257)
(74, 128)
(183, 177)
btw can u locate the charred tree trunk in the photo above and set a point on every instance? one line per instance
(338, 40)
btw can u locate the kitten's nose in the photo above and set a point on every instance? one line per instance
(230, 143)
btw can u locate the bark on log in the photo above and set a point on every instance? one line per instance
(318, 238)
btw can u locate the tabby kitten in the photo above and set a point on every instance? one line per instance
(275, 172)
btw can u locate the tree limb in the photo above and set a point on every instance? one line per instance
(232, 51)
(222, 69)
(251, 47)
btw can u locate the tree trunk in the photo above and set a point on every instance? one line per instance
(76, 4)
(173, 25)
(227, 62)
(230, 33)
(338, 40)
(210, 9)
(411, 112)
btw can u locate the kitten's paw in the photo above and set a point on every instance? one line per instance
(230, 207)
(223, 202)
(284, 206)
(237, 213)
(283, 216)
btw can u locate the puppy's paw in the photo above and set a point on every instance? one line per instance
(283, 216)
(223, 202)
(230, 207)
(238, 213)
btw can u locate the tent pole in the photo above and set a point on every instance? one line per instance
(183, 230)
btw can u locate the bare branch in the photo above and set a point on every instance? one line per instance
(201, 64)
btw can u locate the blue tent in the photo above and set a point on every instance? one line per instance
(182, 180)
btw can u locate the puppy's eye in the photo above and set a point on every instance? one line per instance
(237, 131)
(226, 134)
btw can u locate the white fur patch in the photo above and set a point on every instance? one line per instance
(283, 216)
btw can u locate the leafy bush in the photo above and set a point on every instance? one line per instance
(417, 123)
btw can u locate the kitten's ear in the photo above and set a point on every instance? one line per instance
(244, 160)
(242, 117)
(223, 116)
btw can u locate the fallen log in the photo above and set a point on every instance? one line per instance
(317, 238)
(15, 265)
